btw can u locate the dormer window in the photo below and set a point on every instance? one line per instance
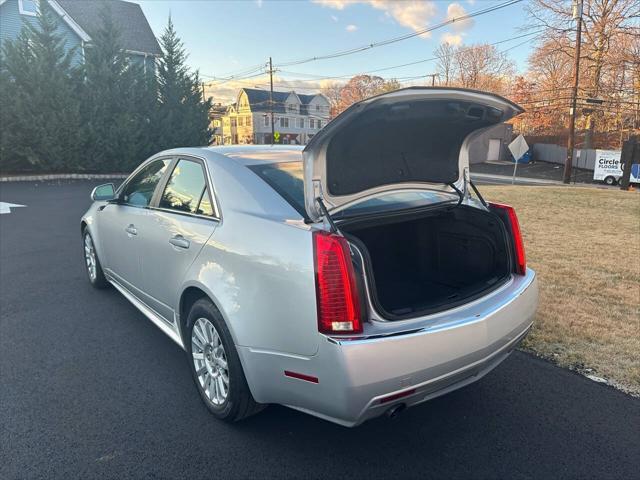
(28, 7)
(291, 107)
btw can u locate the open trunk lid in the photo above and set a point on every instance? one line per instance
(411, 139)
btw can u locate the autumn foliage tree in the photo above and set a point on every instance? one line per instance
(356, 89)
(608, 72)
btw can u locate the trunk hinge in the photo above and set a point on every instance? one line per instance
(475, 189)
(459, 192)
(317, 193)
(468, 183)
(466, 178)
(326, 215)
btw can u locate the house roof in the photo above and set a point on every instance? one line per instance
(259, 100)
(135, 33)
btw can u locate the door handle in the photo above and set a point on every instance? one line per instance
(179, 241)
(131, 230)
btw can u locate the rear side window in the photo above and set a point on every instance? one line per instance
(186, 190)
(139, 190)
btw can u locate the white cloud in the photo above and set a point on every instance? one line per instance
(259, 3)
(451, 38)
(411, 13)
(351, 28)
(334, 18)
(455, 10)
(414, 14)
(337, 4)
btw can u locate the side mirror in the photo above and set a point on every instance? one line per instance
(104, 192)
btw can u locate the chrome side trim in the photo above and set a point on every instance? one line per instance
(149, 313)
(186, 214)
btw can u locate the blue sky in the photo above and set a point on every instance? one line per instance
(224, 37)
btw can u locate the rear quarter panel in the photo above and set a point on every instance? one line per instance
(258, 266)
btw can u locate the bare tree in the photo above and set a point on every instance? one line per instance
(607, 26)
(445, 65)
(483, 67)
(332, 92)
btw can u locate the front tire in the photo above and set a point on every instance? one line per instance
(92, 263)
(215, 365)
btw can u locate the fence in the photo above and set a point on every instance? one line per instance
(547, 152)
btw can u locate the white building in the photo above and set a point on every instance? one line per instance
(297, 117)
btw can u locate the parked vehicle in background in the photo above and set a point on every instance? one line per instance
(608, 169)
(352, 278)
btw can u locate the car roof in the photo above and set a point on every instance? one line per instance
(244, 154)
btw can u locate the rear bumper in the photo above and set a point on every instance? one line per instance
(356, 376)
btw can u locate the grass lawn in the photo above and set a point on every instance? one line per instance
(584, 243)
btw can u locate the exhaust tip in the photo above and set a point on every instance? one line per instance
(396, 410)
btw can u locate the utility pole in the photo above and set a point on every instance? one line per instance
(433, 78)
(577, 14)
(273, 128)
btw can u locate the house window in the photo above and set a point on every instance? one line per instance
(284, 122)
(28, 7)
(234, 122)
(319, 124)
(317, 108)
(265, 121)
(291, 107)
(301, 123)
(312, 123)
(240, 121)
(247, 121)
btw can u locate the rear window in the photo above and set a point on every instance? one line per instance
(287, 178)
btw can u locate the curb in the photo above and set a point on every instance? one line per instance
(62, 176)
(518, 179)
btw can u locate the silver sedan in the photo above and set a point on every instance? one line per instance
(360, 275)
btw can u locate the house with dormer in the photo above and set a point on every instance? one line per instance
(79, 20)
(296, 117)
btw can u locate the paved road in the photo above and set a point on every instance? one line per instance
(89, 388)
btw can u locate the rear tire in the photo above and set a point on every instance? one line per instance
(610, 180)
(92, 263)
(215, 365)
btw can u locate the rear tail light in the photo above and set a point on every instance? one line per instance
(336, 290)
(516, 237)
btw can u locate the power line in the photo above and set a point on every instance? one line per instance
(392, 67)
(400, 38)
(417, 62)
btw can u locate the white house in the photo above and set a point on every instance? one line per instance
(297, 117)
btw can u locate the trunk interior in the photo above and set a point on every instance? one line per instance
(433, 261)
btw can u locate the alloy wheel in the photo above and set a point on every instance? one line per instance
(90, 256)
(210, 361)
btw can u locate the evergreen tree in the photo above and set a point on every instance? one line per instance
(40, 108)
(183, 115)
(110, 123)
(145, 105)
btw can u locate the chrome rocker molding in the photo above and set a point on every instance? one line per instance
(148, 312)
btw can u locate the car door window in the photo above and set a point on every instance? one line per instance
(139, 190)
(186, 190)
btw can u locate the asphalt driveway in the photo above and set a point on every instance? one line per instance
(89, 388)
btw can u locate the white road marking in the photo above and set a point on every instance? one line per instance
(6, 207)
